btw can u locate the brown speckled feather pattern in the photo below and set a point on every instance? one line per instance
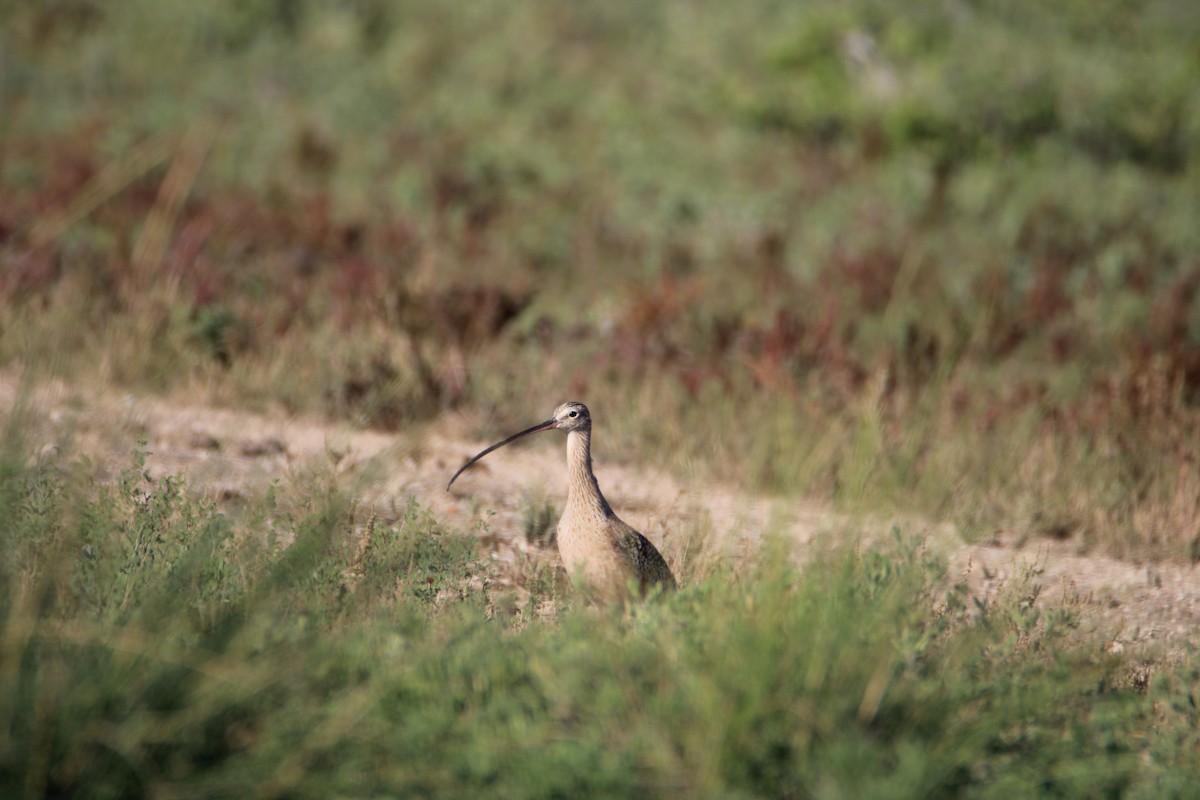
(649, 565)
(598, 547)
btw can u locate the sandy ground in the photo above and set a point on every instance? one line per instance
(231, 454)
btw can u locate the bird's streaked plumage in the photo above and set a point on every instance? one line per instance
(597, 547)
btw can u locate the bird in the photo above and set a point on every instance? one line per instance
(603, 555)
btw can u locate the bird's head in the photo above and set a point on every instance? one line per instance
(570, 416)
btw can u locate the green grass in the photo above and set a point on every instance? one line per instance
(151, 645)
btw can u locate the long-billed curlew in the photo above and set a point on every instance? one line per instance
(595, 544)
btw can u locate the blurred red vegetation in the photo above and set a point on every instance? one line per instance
(287, 264)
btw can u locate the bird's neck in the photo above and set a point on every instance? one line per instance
(582, 488)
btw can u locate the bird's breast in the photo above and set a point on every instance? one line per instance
(586, 546)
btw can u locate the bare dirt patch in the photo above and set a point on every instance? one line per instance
(231, 455)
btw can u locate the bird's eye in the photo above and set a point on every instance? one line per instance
(572, 414)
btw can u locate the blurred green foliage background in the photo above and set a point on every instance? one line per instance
(940, 256)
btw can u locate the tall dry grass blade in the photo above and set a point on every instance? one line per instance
(155, 238)
(112, 179)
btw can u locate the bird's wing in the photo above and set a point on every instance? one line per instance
(643, 559)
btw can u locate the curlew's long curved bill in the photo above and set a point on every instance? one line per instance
(541, 426)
